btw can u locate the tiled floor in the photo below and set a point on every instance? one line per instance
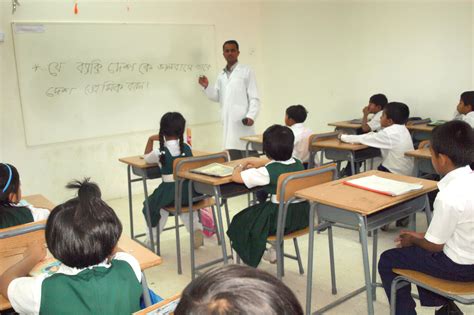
(165, 281)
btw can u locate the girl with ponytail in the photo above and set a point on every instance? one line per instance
(172, 146)
(11, 212)
(93, 278)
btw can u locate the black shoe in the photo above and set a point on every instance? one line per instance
(385, 228)
(449, 309)
(403, 222)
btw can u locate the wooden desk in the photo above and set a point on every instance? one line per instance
(422, 159)
(363, 210)
(420, 127)
(14, 253)
(144, 171)
(347, 126)
(255, 141)
(420, 132)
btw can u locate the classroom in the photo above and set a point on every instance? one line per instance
(330, 56)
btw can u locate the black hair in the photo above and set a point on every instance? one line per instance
(237, 289)
(455, 139)
(278, 142)
(379, 100)
(297, 112)
(8, 184)
(468, 98)
(172, 124)
(398, 112)
(83, 231)
(231, 41)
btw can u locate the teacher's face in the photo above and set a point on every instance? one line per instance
(231, 54)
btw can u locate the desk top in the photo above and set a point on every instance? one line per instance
(420, 153)
(139, 162)
(420, 127)
(334, 143)
(345, 124)
(362, 201)
(253, 139)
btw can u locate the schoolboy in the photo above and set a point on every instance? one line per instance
(465, 108)
(393, 140)
(446, 249)
(294, 118)
(376, 105)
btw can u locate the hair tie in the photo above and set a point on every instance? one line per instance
(9, 178)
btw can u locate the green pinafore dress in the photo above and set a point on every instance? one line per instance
(11, 215)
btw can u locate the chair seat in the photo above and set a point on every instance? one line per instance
(448, 286)
(290, 235)
(208, 202)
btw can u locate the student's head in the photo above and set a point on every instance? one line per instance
(295, 114)
(394, 113)
(452, 146)
(236, 289)
(466, 102)
(83, 231)
(172, 126)
(278, 142)
(10, 191)
(377, 103)
(230, 50)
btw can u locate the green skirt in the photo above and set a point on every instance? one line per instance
(163, 196)
(250, 228)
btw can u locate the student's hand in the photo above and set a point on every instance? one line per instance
(365, 111)
(35, 251)
(203, 81)
(424, 143)
(406, 238)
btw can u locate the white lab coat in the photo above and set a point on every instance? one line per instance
(238, 97)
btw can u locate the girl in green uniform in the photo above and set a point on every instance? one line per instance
(11, 213)
(172, 146)
(250, 228)
(93, 277)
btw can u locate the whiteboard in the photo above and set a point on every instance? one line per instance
(87, 80)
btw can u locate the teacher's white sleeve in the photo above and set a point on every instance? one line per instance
(212, 92)
(252, 94)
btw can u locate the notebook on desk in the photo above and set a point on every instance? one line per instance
(437, 123)
(214, 169)
(382, 185)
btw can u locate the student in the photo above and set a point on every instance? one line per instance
(93, 278)
(446, 249)
(465, 108)
(393, 140)
(11, 212)
(294, 118)
(376, 105)
(172, 146)
(250, 228)
(235, 289)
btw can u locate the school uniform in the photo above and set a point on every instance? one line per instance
(236, 91)
(393, 142)
(106, 288)
(12, 215)
(452, 225)
(301, 144)
(250, 228)
(163, 195)
(374, 123)
(469, 118)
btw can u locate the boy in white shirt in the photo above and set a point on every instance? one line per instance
(446, 250)
(294, 118)
(465, 108)
(376, 105)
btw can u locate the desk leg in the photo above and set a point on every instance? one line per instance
(351, 159)
(148, 217)
(130, 206)
(247, 149)
(217, 194)
(191, 229)
(309, 276)
(146, 294)
(365, 258)
(374, 261)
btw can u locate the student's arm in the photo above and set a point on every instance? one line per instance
(379, 139)
(410, 238)
(365, 118)
(149, 143)
(254, 101)
(33, 255)
(424, 143)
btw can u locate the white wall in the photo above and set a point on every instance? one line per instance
(329, 56)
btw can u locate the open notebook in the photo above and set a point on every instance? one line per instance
(47, 266)
(382, 185)
(214, 169)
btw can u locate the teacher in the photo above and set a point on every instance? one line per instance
(236, 90)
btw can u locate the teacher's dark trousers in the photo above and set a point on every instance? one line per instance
(416, 258)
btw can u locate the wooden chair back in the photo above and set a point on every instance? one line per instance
(166, 306)
(313, 139)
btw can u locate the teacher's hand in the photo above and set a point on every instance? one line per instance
(203, 81)
(247, 122)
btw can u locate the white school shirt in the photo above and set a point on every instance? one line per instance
(453, 216)
(254, 177)
(393, 142)
(469, 118)
(37, 213)
(154, 155)
(374, 123)
(25, 293)
(300, 148)
(238, 95)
